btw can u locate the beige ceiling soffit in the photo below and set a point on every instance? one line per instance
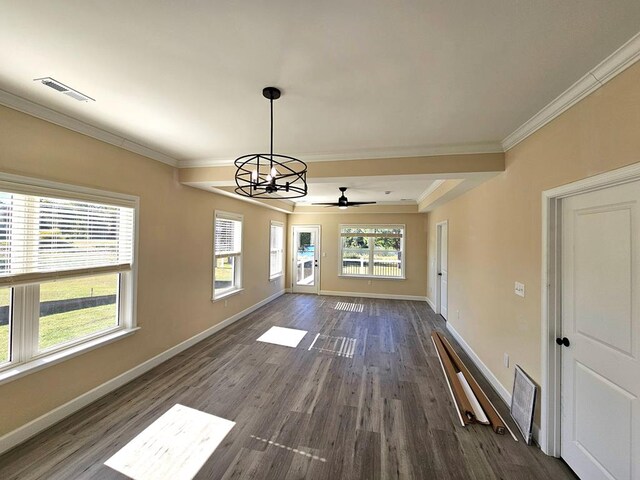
(440, 167)
(611, 66)
(430, 189)
(440, 164)
(283, 206)
(451, 189)
(373, 209)
(438, 193)
(396, 153)
(36, 110)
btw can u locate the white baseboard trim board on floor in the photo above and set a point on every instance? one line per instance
(34, 427)
(374, 295)
(431, 304)
(488, 374)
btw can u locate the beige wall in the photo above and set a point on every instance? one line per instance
(175, 256)
(495, 229)
(415, 248)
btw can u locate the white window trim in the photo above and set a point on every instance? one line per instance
(374, 225)
(236, 288)
(25, 304)
(275, 223)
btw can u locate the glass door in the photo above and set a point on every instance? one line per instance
(306, 259)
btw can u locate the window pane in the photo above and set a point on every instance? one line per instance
(76, 308)
(355, 262)
(387, 263)
(225, 273)
(381, 245)
(276, 250)
(5, 326)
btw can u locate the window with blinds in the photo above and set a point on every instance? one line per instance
(276, 250)
(227, 254)
(43, 237)
(66, 270)
(372, 251)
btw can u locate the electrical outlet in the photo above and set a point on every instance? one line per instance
(506, 360)
(519, 289)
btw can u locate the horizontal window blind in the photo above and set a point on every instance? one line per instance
(44, 237)
(228, 235)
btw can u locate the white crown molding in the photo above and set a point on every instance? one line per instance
(614, 64)
(399, 152)
(39, 111)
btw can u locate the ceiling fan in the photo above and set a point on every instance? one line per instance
(343, 202)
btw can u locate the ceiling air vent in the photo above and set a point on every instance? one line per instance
(62, 88)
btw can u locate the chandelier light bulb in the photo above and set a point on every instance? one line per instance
(268, 178)
(274, 172)
(254, 175)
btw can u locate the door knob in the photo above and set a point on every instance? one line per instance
(439, 274)
(563, 341)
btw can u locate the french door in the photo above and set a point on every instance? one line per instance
(306, 259)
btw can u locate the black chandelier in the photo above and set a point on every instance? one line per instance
(259, 175)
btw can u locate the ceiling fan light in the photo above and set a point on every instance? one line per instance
(342, 207)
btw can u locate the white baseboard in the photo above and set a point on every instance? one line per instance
(30, 429)
(488, 374)
(373, 295)
(431, 304)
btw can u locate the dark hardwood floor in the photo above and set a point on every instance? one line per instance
(384, 413)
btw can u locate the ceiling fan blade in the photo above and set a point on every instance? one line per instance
(334, 204)
(355, 204)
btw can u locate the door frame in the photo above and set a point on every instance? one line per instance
(318, 256)
(438, 263)
(549, 436)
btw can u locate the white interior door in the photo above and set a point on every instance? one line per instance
(306, 259)
(600, 412)
(443, 234)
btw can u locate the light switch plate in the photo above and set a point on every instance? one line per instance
(519, 290)
(506, 360)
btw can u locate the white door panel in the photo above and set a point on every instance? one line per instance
(600, 410)
(443, 269)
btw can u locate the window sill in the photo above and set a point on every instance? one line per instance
(13, 373)
(226, 294)
(371, 277)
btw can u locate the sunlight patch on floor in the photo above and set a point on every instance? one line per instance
(349, 307)
(288, 337)
(174, 447)
(338, 346)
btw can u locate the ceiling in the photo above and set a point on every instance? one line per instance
(360, 78)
